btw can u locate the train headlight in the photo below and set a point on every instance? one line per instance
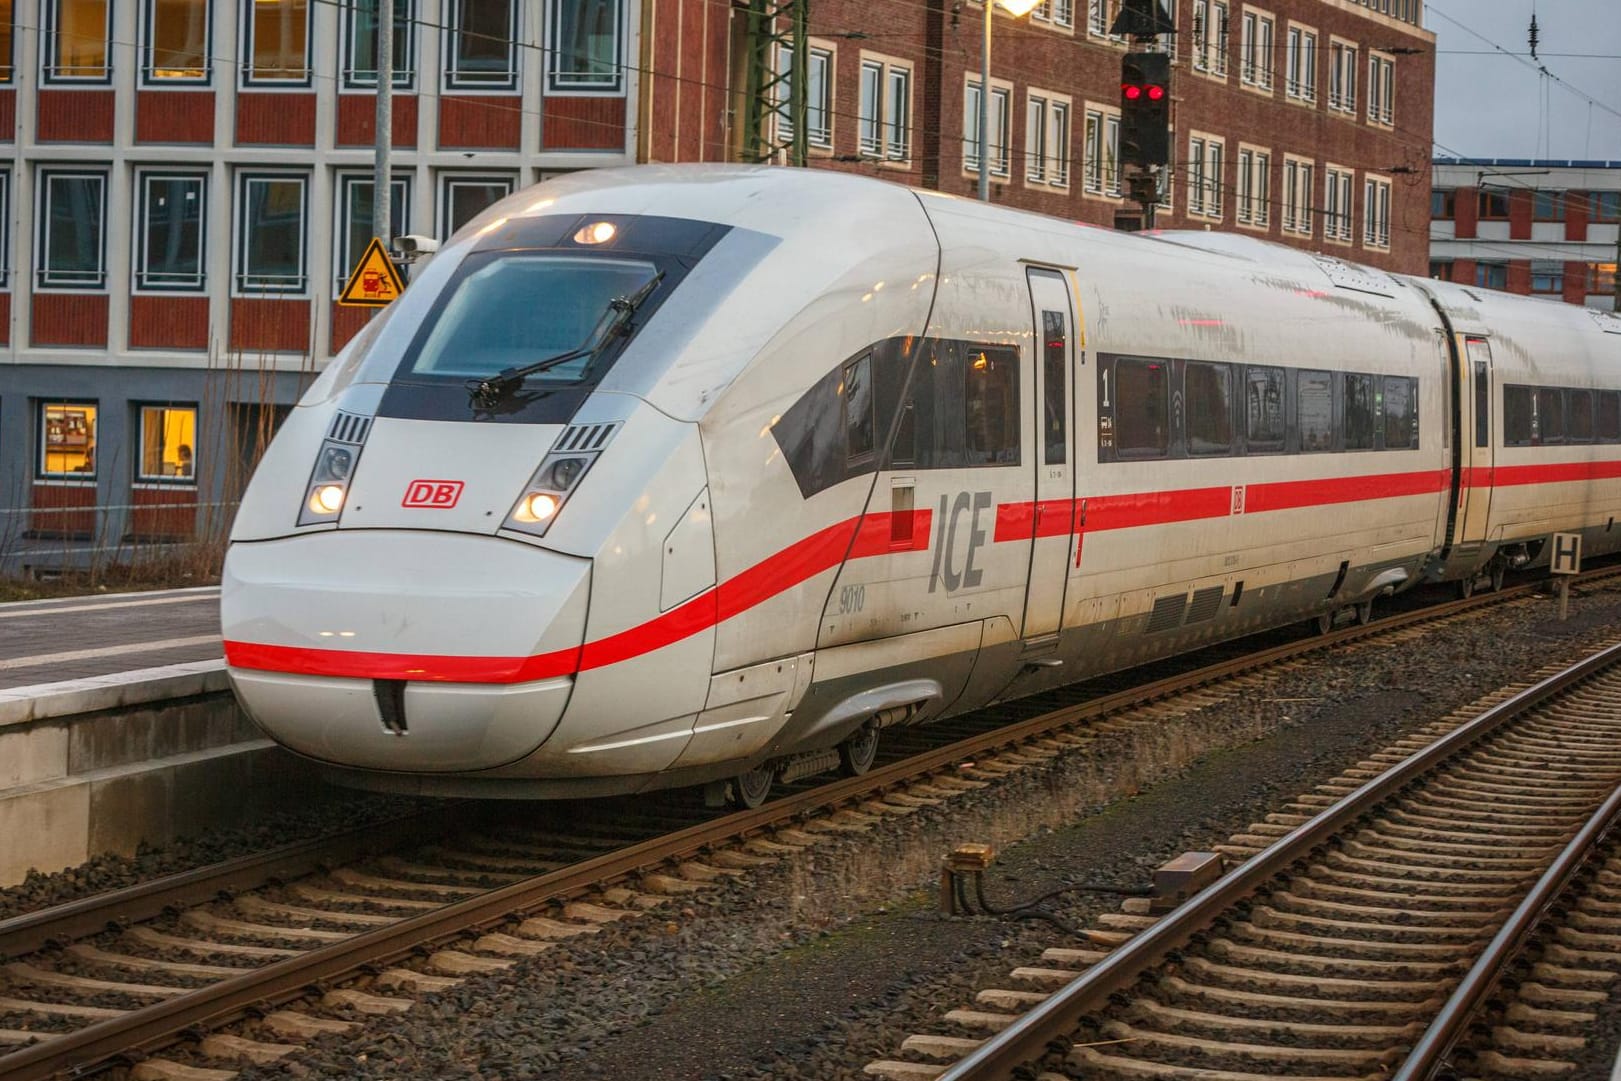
(565, 471)
(553, 483)
(328, 486)
(327, 499)
(335, 464)
(536, 507)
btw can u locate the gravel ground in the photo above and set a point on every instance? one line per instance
(823, 962)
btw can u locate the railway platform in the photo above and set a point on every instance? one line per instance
(91, 637)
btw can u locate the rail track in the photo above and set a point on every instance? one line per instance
(311, 942)
(1364, 930)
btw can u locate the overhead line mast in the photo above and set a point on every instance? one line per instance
(775, 95)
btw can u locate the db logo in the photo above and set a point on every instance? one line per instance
(439, 494)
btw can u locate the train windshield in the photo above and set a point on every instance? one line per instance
(522, 307)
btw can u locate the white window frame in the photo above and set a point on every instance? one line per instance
(50, 16)
(1339, 187)
(77, 280)
(247, 77)
(1207, 165)
(1300, 64)
(1381, 89)
(450, 179)
(149, 45)
(582, 84)
(142, 412)
(454, 79)
(405, 67)
(1001, 117)
(876, 134)
(1252, 206)
(1299, 189)
(1058, 13)
(1257, 43)
(1342, 71)
(1100, 152)
(818, 53)
(1047, 138)
(1210, 37)
(1100, 15)
(298, 287)
(1376, 192)
(140, 280)
(343, 262)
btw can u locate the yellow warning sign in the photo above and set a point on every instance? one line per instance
(374, 282)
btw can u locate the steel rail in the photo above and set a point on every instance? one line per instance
(87, 916)
(130, 1034)
(1053, 1019)
(1429, 1054)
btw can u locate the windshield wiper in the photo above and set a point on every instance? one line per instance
(487, 393)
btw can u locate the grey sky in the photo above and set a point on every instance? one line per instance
(1488, 105)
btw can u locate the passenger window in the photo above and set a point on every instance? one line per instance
(1517, 426)
(1210, 410)
(1581, 415)
(1608, 421)
(1551, 415)
(1054, 382)
(1314, 405)
(1142, 409)
(1401, 414)
(1263, 409)
(1483, 405)
(991, 401)
(1359, 412)
(858, 426)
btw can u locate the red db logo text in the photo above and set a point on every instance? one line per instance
(439, 494)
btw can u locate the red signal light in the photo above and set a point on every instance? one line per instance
(1131, 92)
(1155, 93)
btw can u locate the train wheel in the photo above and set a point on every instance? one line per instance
(1364, 613)
(1466, 588)
(1325, 623)
(753, 788)
(1499, 573)
(859, 752)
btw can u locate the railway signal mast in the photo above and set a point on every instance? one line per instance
(1145, 101)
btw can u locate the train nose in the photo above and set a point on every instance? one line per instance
(402, 650)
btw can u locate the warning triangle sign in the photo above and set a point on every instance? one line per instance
(374, 282)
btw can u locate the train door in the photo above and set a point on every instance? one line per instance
(1474, 443)
(1053, 321)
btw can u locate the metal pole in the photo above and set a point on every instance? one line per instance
(985, 107)
(382, 191)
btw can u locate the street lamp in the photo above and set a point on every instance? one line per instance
(1017, 8)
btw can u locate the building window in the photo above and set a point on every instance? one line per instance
(481, 45)
(270, 234)
(6, 33)
(1601, 278)
(360, 44)
(1337, 204)
(1491, 275)
(5, 229)
(463, 198)
(1102, 164)
(1604, 206)
(76, 37)
(1493, 204)
(176, 39)
(172, 227)
(996, 138)
(886, 109)
(588, 43)
(1210, 36)
(1547, 276)
(1255, 47)
(1342, 76)
(1441, 269)
(1297, 192)
(1301, 64)
(1205, 159)
(1058, 12)
(1100, 15)
(72, 228)
(354, 225)
(1381, 89)
(1254, 187)
(1376, 213)
(278, 42)
(1548, 206)
(168, 443)
(818, 97)
(1443, 204)
(1046, 140)
(67, 445)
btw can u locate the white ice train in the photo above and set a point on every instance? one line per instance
(706, 475)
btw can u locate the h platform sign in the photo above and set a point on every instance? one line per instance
(1567, 554)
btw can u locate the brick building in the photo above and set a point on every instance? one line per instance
(1526, 226)
(188, 182)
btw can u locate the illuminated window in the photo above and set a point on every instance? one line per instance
(278, 48)
(360, 44)
(76, 33)
(5, 42)
(587, 46)
(168, 443)
(175, 36)
(68, 441)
